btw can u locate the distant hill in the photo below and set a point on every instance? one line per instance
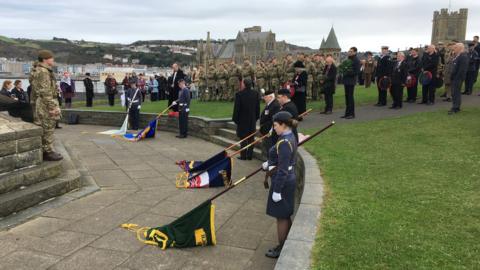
(148, 52)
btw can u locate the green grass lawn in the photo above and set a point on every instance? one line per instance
(402, 193)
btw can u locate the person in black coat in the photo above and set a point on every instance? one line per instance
(349, 81)
(384, 69)
(246, 112)
(173, 85)
(458, 76)
(87, 82)
(162, 86)
(472, 69)
(300, 85)
(329, 83)
(184, 109)
(266, 119)
(287, 106)
(399, 76)
(414, 66)
(430, 62)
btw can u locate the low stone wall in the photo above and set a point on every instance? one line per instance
(309, 191)
(20, 144)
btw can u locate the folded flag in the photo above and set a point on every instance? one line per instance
(217, 175)
(148, 132)
(197, 166)
(195, 228)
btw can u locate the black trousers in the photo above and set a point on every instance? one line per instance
(397, 95)
(111, 99)
(382, 96)
(300, 100)
(428, 93)
(328, 100)
(183, 122)
(134, 115)
(247, 153)
(412, 93)
(153, 96)
(349, 100)
(456, 87)
(469, 81)
(89, 100)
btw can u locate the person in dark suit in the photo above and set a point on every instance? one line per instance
(246, 112)
(430, 62)
(300, 85)
(458, 76)
(472, 69)
(87, 82)
(287, 105)
(183, 108)
(414, 68)
(399, 76)
(329, 79)
(383, 70)
(173, 84)
(349, 81)
(133, 98)
(266, 119)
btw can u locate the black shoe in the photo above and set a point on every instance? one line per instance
(447, 99)
(343, 116)
(411, 101)
(328, 112)
(57, 126)
(464, 93)
(350, 117)
(378, 105)
(241, 158)
(249, 158)
(453, 111)
(181, 136)
(51, 156)
(324, 112)
(393, 107)
(423, 102)
(274, 252)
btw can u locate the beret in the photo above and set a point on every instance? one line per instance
(284, 92)
(45, 54)
(282, 116)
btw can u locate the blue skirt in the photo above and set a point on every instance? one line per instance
(283, 208)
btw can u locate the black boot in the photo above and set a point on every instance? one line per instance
(274, 252)
(51, 156)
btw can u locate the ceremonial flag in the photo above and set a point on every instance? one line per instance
(195, 228)
(148, 132)
(197, 166)
(218, 174)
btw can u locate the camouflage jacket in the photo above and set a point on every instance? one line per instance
(44, 88)
(234, 72)
(260, 72)
(248, 71)
(222, 74)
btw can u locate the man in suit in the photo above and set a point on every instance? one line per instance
(414, 65)
(87, 82)
(383, 70)
(430, 62)
(174, 87)
(329, 82)
(472, 69)
(300, 84)
(183, 109)
(288, 106)
(458, 75)
(399, 76)
(246, 112)
(349, 81)
(266, 119)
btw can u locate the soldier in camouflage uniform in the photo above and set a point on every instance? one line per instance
(247, 70)
(261, 76)
(202, 83)
(211, 91)
(47, 111)
(318, 77)
(234, 76)
(222, 79)
(310, 68)
(288, 69)
(274, 74)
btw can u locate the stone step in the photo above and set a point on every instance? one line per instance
(228, 134)
(231, 125)
(32, 195)
(257, 153)
(28, 176)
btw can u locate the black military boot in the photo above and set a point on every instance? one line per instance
(51, 156)
(274, 252)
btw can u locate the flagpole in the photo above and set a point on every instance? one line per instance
(255, 132)
(243, 179)
(164, 111)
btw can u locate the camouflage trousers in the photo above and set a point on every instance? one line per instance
(233, 87)
(261, 84)
(316, 93)
(201, 92)
(48, 126)
(310, 88)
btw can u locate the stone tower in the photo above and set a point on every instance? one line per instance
(449, 26)
(331, 46)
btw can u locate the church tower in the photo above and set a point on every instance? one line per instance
(448, 26)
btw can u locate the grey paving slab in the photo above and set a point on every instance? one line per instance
(62, 243)
(153, 258)
(219, 257)
(27, 260)
(119, 239)
(49, 225)
(92, 258)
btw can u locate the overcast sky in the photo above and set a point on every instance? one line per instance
(366, 24)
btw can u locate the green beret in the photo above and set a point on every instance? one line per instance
(45, 54)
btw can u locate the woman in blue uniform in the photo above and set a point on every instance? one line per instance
(281, 159)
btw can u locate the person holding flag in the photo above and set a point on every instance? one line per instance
(281, 166)
(134, 103)
(183, 108)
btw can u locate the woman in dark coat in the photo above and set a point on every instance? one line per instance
(281, 166)
(330, 75)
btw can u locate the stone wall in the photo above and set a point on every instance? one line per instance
(20, 144)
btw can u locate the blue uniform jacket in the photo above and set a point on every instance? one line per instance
(283, 156)
(184, 100)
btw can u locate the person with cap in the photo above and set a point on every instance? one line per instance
(383, 72)
(47, 110)
(133, 99)
(281, 166)
(368, 69)
(266, 119)
(472, 68)
(88, 83)
(287, 105)
(458, 75)
(183, 108)
(329, 83)
(430, 61)
(300, 84)
(246, 111)
(350, 79)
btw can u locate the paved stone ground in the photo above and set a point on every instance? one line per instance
(370, 112)
(137, 183)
